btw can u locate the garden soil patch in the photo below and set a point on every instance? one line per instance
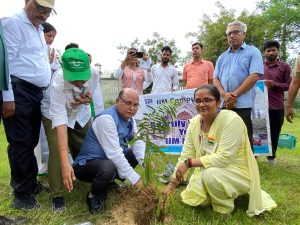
(132, 208)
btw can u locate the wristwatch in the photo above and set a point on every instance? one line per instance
(187, 163)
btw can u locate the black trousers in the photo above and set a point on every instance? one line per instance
(245, 114)
(22, 133)
(276, 118)
(101, 173)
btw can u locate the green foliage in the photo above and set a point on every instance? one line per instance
(155, 125)
(255, 34)
(280, 181)
(283, 18)
(273, 19)
(153, 48)
(212, 31)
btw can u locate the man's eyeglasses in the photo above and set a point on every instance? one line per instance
(41, 9)
(234, 32)
(129, 104)
(205, 101)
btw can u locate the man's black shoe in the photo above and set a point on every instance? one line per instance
(58, 204)
(95, 204)
(24, 202)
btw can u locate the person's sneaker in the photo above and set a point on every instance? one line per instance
(95, 204)
(24, 202)
(58, 204)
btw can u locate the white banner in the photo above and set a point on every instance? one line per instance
(173, 142)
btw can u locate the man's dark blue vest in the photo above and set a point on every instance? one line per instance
(92, 149)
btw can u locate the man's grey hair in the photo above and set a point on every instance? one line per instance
(242, 25)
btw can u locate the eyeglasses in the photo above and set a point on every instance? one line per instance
(41, 9)
(129, 104)
(234, 32)
(205, 101)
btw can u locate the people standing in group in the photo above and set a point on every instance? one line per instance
(54, 55)
(30, 74)
(4, 75)
(130, 74)
(293, 91)
(145, 64)
(163, 75)
(277, 79)
(236, 73)
(105, 154)
(217, 148)
(198, 71)
(54, 58)
(67, 115)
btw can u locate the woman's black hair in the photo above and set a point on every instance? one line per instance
(213, 90)
(48, 27)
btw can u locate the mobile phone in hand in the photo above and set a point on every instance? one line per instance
(139, 55)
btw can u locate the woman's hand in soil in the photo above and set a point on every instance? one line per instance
(171, 186)
(181, 170)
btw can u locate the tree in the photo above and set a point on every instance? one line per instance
(212, 31)
(153, 48)
(258, 31)
(283, 17)
(155, 125)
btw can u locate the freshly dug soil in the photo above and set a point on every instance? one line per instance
(132, 208)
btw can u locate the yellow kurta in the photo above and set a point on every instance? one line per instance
(230, 169)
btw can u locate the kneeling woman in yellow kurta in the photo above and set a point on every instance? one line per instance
(217, 145)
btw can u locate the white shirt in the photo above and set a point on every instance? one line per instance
(165, 79)
(145, 65)
(62, 94)
(106, 132)
(27, 52)
(56, 64)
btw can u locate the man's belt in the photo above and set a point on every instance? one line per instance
(22, 83)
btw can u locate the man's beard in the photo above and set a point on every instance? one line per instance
(165, 61)
(272, 58)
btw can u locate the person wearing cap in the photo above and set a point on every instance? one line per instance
(30, 74)
(72, 91)
(105, 153)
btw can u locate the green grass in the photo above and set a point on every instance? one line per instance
(282, 182)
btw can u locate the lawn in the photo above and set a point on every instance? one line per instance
(282, 181)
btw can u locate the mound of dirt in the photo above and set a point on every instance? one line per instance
(132, 208)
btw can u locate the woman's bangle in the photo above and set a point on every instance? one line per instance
(190, 162)
(174, 181)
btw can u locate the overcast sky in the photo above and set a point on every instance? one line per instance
(99, 26)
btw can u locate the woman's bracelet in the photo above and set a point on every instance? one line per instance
(174, 181)
(188, 162)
